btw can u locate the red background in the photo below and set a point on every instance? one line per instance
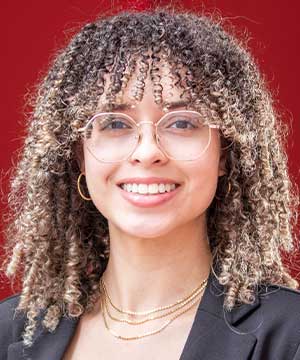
(31, 31)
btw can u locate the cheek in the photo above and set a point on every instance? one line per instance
(97, 176)
(203, 178)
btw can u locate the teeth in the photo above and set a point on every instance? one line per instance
(134, 188)
(143, 189)
(161, 188)
(153, 188)
(148, 189)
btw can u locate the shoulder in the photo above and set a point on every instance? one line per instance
(283, 299)
(11, 323)
(274, 320)
(9, 302)
(7, 310)
(8, 307)
(277, 307)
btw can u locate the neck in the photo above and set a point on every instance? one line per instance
(144, 273)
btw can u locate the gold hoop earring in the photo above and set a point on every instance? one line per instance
(79, 190)
(229, 188)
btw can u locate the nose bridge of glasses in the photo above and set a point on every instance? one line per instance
(147, 122)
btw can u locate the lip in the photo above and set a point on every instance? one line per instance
(147, 180)
(147, 201)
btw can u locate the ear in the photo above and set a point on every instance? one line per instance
(79, 154)
(222, 164)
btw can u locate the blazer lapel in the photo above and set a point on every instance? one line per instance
(214, 334)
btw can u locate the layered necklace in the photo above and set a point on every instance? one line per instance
(171, 312)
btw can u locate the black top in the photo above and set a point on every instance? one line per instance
(268, 329)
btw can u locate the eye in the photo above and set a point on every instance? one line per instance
(116, 124)
(184, 124)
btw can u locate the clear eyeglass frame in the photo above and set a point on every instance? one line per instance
(82, 130)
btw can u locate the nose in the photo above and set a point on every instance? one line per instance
(147, 150)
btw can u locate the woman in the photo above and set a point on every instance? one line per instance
(151, 202)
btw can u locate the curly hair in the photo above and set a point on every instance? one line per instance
(60, 244)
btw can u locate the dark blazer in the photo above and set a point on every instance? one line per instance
(268, 329)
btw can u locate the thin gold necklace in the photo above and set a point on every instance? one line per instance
(133, 322)
(103, 303)
(128, 312)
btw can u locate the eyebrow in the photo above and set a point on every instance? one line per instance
(175, 104)
(128, 106)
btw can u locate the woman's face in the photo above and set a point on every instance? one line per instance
(197, 179)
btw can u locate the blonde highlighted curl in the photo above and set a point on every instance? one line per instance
(60, 243)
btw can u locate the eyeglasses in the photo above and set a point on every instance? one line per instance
(180, 135)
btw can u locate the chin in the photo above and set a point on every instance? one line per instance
(147, 229)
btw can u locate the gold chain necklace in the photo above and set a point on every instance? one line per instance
(178, 302)
(104, 304)
(132, 322)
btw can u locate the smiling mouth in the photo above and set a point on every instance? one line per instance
(153, 189)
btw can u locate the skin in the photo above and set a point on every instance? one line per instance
(167, 242)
